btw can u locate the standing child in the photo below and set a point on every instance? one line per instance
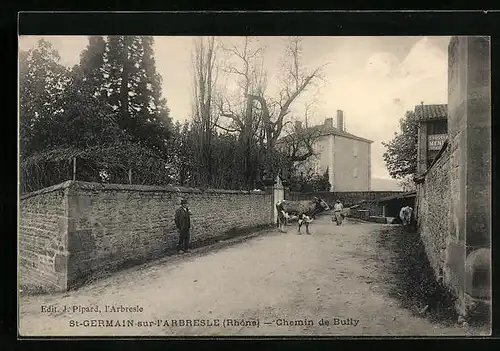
(337, 212)
(281, 215)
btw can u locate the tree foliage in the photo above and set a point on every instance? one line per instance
(258, 118)
(309, 181)
(134, 91)
(407, 183)
(88, 117)
(43, 82)
(107, 111)
(401, 152)
(205, 116)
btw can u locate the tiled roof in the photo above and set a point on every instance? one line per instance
(427, 112)
(399, 196)
(324, 130)
(336, 131)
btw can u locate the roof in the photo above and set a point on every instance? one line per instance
(430, 112)
(335, 131)
(406, 195)
(324, 130)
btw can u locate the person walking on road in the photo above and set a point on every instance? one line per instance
(183, 224)
(337, 212)
(281, 215)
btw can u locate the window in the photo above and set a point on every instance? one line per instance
(437, 127)
(355, 150)
(355, 172)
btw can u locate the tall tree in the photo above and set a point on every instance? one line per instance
(295, 81)
(134, 90)
(88, 117)
(264, 117)
(42, 81)
(401, 152)
(245, 65)
(204, 115)
(156, 122)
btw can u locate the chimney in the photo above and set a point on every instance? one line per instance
(298, 125)
(328, 123)
(340, 119)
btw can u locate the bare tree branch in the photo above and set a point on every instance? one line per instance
(227, 129)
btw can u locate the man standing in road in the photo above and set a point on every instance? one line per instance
(183, 223)
(337, 212)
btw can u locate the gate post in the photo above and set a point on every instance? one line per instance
(268, 183)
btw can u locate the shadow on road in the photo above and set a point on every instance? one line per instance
(410, 278)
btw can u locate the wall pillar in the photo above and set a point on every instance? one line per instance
(469, 134)
(268, 183)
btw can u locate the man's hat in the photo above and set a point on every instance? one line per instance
(184, 202)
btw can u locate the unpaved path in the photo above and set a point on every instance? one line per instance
(332, 275)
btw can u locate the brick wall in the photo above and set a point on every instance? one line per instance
(434, 211)
(42, 239)
(112, 226)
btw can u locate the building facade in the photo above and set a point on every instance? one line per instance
(347, 157)
(432, 133)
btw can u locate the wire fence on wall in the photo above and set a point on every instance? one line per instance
(118, 164)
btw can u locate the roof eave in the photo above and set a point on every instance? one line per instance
(355, 137)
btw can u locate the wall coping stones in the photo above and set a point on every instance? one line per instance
(224, 191)
(319, 193)
(130, 187)
(134, 187)
(49, 189)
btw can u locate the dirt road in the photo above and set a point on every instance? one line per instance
(329, 283)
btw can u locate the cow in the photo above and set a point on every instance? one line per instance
(305, 211)
(405, 214)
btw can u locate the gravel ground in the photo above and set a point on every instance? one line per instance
(338, 281)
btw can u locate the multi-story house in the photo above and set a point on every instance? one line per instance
(347, 157)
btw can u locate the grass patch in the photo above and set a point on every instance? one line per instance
(412, 281)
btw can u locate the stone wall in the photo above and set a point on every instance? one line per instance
(107, 227)
(42, 239)
(454, 195)
(373, 207)
(434, 208)
(348, 198)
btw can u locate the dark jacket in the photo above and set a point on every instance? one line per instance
(182, 219)
(280, 207)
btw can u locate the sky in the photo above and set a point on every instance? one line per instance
(374, 80)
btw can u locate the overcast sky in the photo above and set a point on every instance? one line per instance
(374, 80)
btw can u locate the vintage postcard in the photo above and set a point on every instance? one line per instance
(254, 186)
